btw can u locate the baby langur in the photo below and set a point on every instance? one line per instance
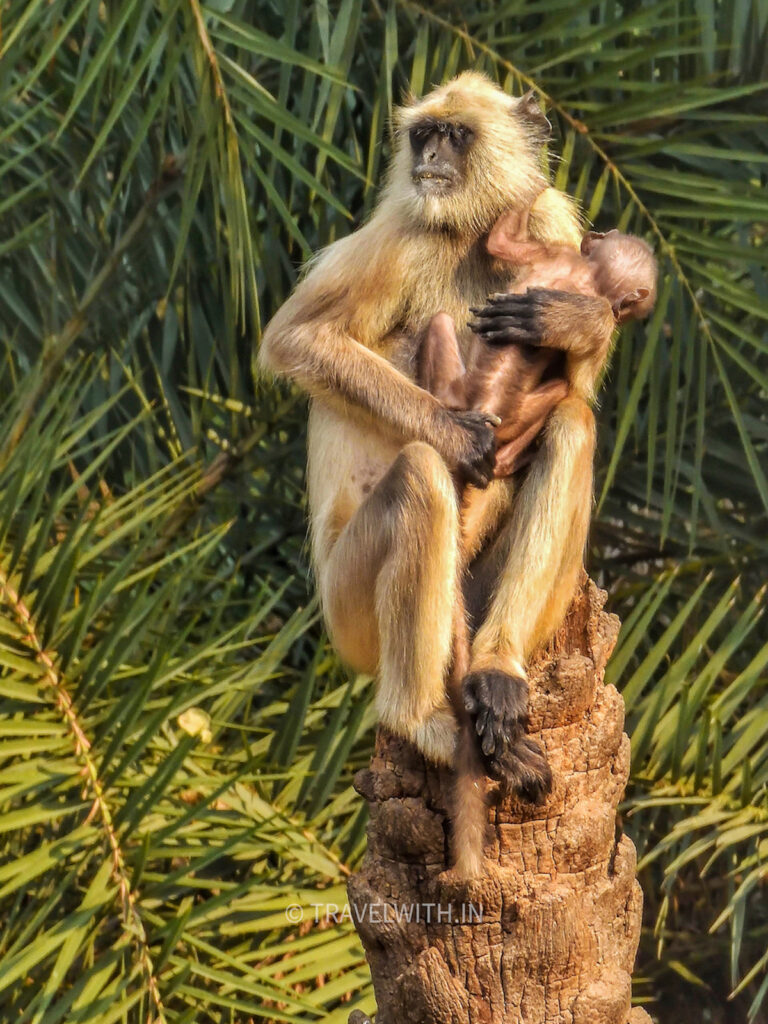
(618, 267)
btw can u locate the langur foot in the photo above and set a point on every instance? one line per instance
(435, 736)
(498, 704)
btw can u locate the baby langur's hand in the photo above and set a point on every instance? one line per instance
(475, 451)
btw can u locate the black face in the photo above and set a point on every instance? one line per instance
(439, 150)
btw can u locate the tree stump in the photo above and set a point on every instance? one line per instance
(549, 934)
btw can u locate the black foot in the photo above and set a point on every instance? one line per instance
(498, 704)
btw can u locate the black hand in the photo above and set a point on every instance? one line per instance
(476, 461)
(509, 319)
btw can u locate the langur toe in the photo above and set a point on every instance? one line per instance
(525, 771)
(498, 705)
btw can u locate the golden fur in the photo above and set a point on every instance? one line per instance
(385, 528)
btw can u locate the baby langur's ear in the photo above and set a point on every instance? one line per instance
(529, 110)
(589, 240)
(627, 306)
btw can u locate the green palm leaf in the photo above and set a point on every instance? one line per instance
(164, 170)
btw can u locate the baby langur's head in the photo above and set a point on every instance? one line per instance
(624, 271)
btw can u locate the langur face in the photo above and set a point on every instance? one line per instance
(439, 152)
(624, 271)
(463, 155)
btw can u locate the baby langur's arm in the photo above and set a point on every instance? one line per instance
(508, 241)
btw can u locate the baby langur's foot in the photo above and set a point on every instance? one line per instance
(498, 704)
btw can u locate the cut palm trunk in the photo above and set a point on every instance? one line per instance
(549, 934)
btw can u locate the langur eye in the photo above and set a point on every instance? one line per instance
(421, 132)
(461, 135)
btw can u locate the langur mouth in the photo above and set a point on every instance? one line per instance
(432, 180)
(438, 174)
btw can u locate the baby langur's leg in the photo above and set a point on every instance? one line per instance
(441, 368)
(527, 424)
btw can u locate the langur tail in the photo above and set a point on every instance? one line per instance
(469, 810)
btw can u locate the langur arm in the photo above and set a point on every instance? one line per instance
(325, 360)
(509, 241)
(582, 325)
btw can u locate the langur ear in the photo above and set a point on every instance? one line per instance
(529, 110)
(624, 308)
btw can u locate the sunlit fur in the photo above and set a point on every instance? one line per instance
(385, 536)
(502, 161)
(621, 265)
(543, 547)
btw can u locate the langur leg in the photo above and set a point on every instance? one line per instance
(514, 447)
(538, 557)
(389, 590)
(483, 511)
(441, 368)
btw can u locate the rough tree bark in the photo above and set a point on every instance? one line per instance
(561, 907)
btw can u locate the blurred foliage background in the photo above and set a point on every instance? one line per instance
(176, 739)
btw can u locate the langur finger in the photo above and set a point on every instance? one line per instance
(483, 327)
(489, 461)
(510, 335)
(525, 301)
(523, 310)
(481, 721)
(492, 419)
(477, 479)
(510, 320)
(487, 739)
